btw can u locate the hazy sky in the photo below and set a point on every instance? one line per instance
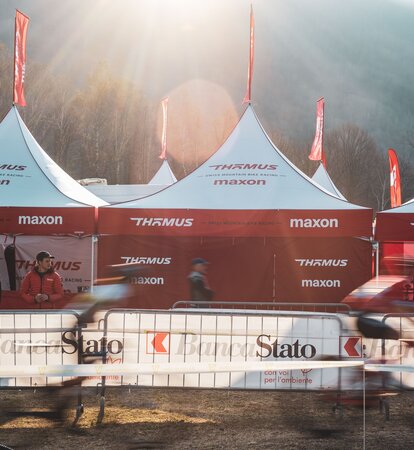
(358, 54)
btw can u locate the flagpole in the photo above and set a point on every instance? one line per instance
(14, 59)
(248, 97)
(323, 132)
(21, 23)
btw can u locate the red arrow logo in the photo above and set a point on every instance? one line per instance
(350, 347)
(157, 342)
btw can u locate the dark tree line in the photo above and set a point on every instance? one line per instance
(108, 128)
(355, 163)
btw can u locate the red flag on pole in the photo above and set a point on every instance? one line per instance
(317, 153)
(395, 179)
(21, 25)
(248, 96)
(164, 104)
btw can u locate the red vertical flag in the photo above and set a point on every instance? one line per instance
(317, 153)
(395, 179)
(21, 25)
(248, 96)
(164, 104)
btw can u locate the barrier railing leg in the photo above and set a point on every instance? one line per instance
(385, 408)
(101, 409)
(79, 406)
(102, 399)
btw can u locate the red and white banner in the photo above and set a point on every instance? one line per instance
(241, 269)
(317, 152)
(47, 221)
(248, 96)
(164, 104)
(395, 179)
(21, 25)
(213, 222)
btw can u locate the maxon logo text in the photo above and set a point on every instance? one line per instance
(147, 280)
(40, 220)
(314, 223)
(321, 283)
(238, 182)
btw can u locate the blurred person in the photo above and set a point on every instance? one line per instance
(199, 286)
(116, 290)
(109, 292)
(42, 286)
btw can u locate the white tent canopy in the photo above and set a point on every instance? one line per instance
(34, 178)
(322, 177)
(164, 175)
(247, 172)
(38, 197)
(248, 185)
(116, 193)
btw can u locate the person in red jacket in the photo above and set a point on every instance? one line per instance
(42, 286)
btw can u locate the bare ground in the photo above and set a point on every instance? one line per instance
(209, 419)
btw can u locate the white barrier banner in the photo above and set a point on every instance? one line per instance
(28, 339)
(401, 351)
(155, 337)
(182, 339)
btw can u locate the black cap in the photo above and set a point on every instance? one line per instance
(42, 255)
(199, 261)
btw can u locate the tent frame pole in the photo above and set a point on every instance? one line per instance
(93, 249)
(375, 246)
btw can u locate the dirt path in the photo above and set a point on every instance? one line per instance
(196, 419)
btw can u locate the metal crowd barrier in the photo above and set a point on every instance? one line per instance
(178, 336)
(273, 306)
(153, 336)
(402, 349)
(36, 337)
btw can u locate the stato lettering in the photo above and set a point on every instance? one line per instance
(296, 350)
(89, 346)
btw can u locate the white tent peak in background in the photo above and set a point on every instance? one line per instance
(164, 175)
(246, 173)
(118, 193)
(30, 178)
(405, 208)
(322, 177)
